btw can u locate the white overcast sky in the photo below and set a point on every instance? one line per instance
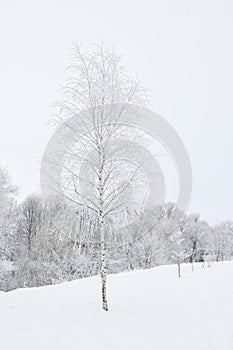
(182, 49)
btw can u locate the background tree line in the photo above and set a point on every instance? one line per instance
(44, 242)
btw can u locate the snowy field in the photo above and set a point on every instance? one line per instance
(150, 309)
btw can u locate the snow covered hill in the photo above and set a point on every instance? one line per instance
(150, 309)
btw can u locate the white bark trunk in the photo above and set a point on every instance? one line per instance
(103, 271)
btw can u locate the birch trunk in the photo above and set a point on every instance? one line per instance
(103, 271)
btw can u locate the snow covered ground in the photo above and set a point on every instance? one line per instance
(150, 309)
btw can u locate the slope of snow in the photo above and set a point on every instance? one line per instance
(150, 309)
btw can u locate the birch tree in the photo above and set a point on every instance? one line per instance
(94, 99)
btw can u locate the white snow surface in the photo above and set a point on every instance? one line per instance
(150, 309)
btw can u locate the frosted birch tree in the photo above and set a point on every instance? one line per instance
(94, 99)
